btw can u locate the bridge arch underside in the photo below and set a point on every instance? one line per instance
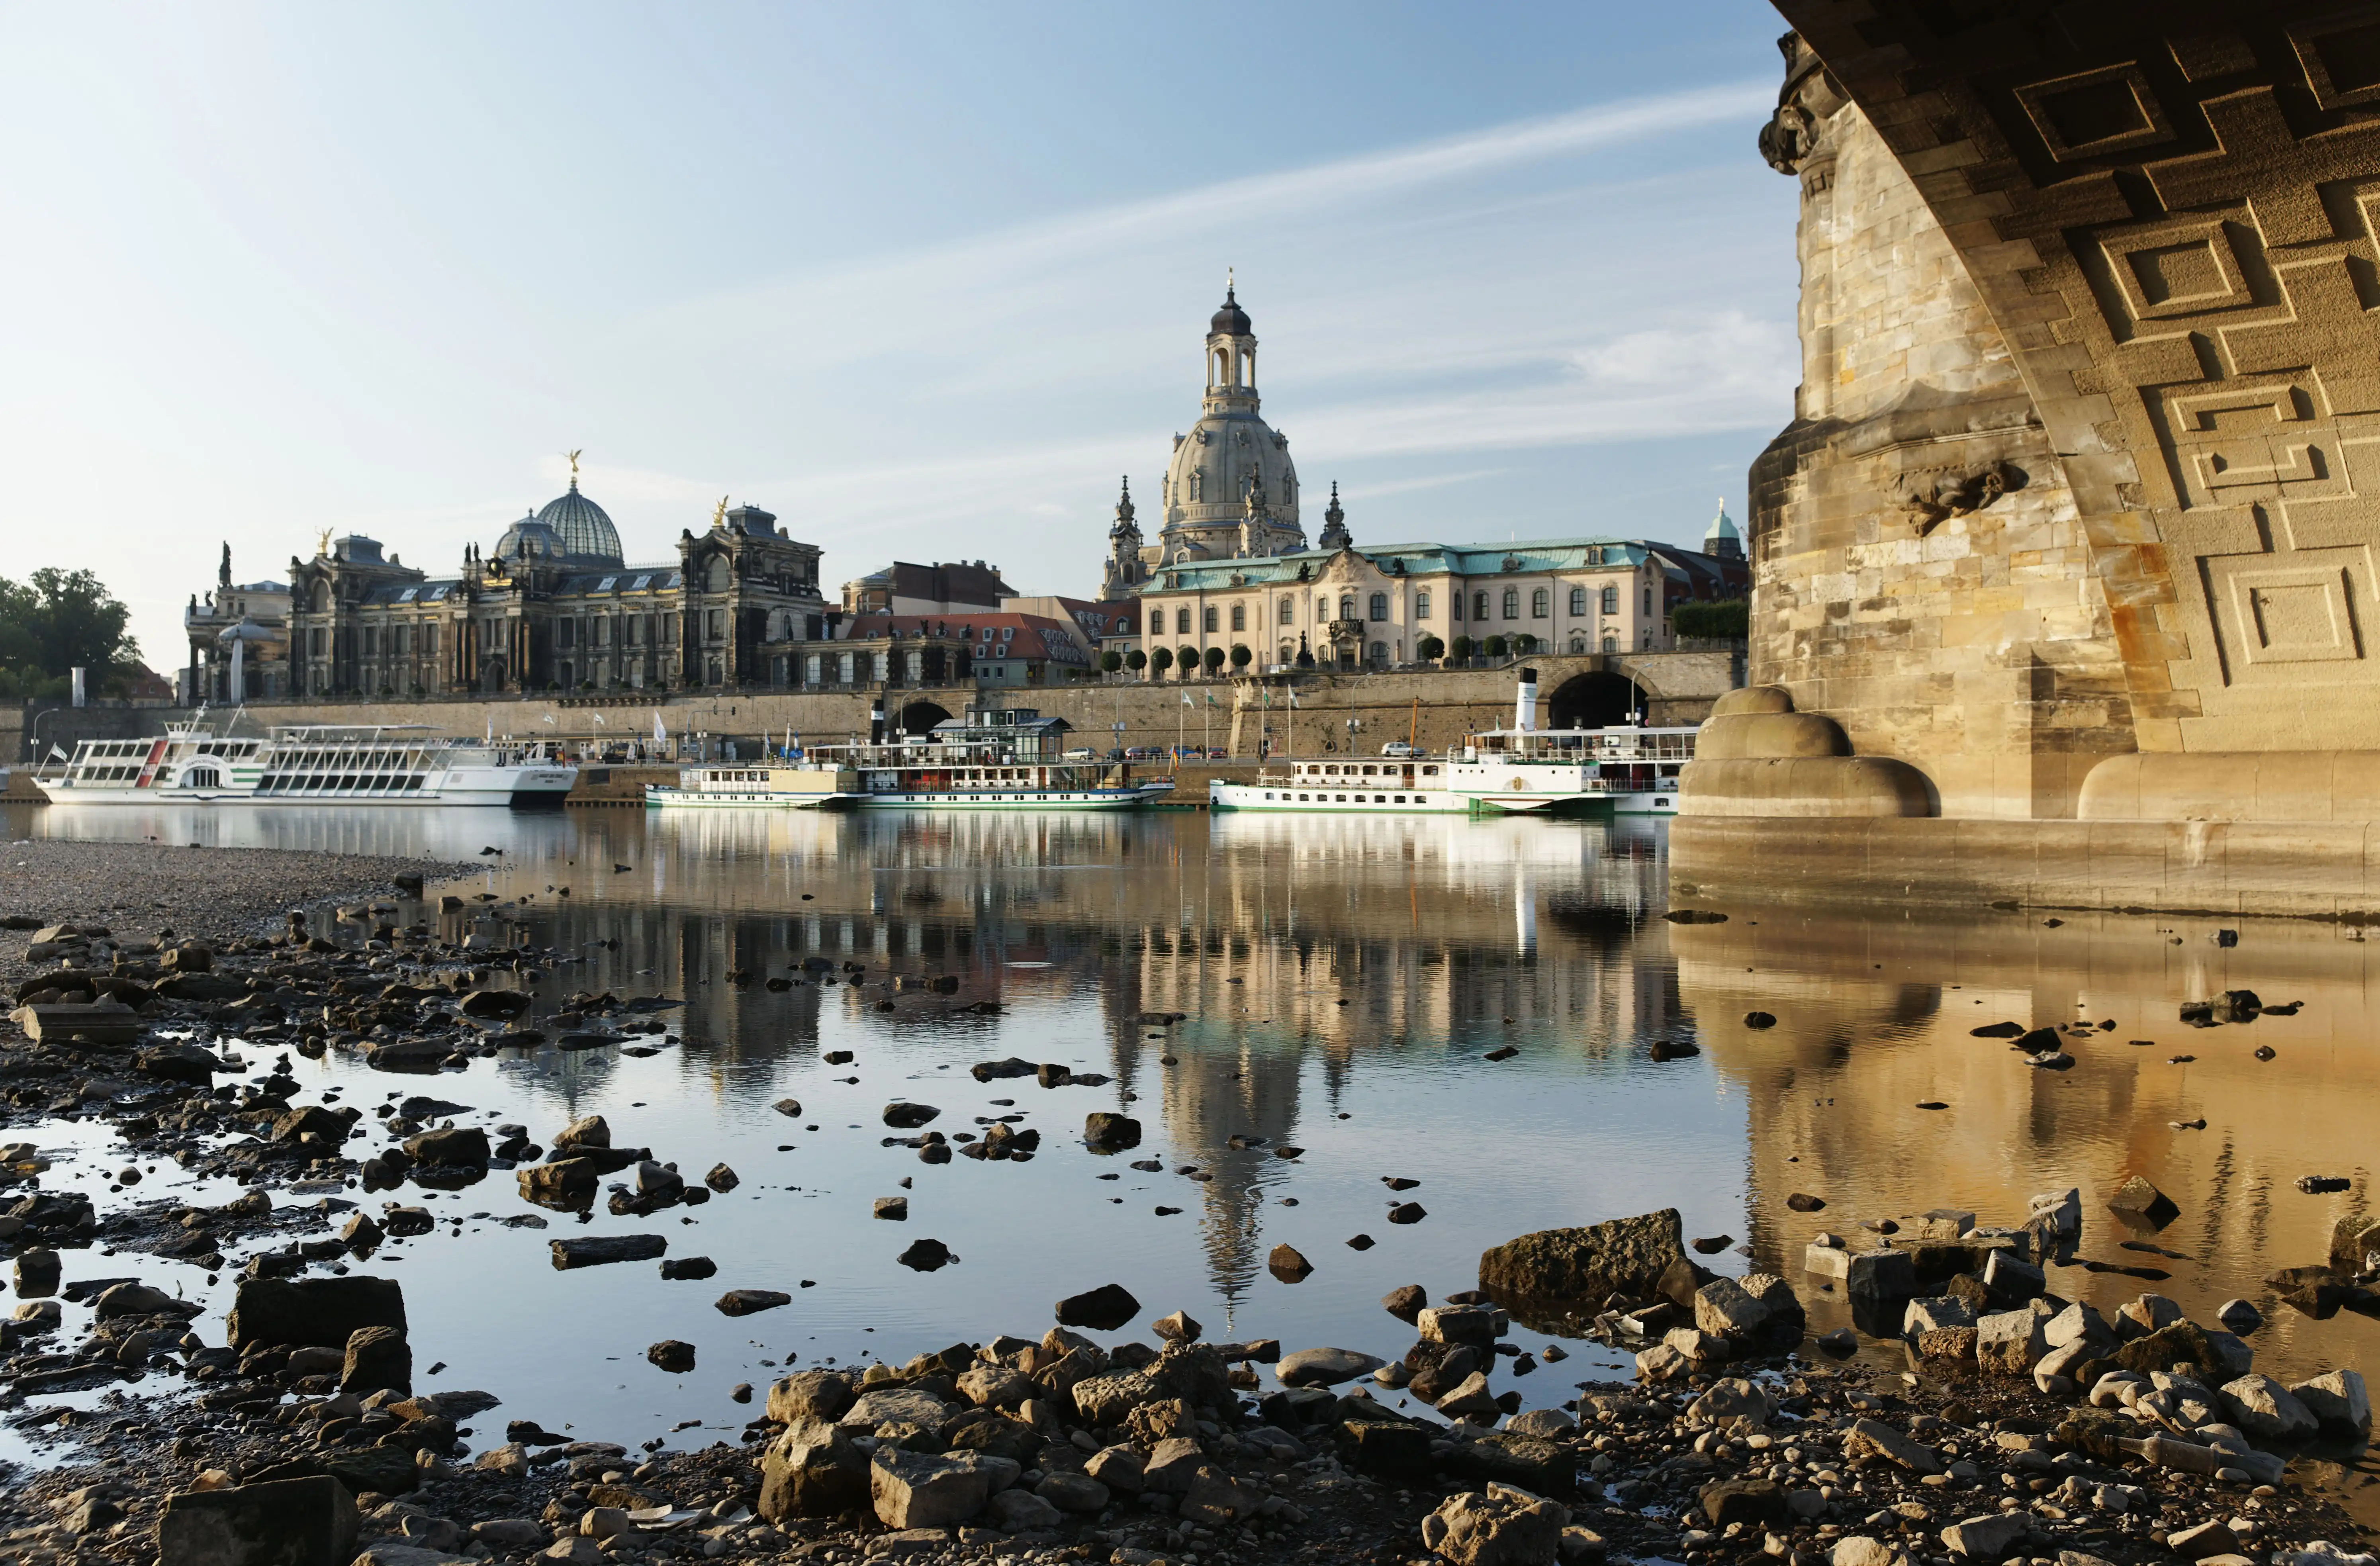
(2128, 582)
(919, 717)
(1596, 699)
(2169, 211)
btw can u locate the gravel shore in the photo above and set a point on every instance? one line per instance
(203, 893)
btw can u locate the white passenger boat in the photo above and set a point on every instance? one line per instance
(990, 759)
(312, 764)
(1523, 769)
(766, 787)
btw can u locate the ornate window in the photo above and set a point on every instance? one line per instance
(1540, 603)
(1239, 617)
(1511, 603)
(1379, 608)
(1347, 606)
(1182, 621)
(1611, 600)
(1210, 617)
(1479, 604)
(1288, 612)
(1421, 604)
(1578, 603)
(1611, 644)
(1649, 603)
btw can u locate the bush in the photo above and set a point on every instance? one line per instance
(1464, 645)
(1525, 642)
(1111, 661)
(1727, 620)
(1496, 646)
(1242, 657)
(1430, 647)
(1162, 660)
(1136, 660)
(1214, 661)
(1188, 658)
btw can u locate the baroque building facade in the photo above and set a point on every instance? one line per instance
(554, 606)
(1231, 576)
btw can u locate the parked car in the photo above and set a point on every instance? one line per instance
(1402, 751)
(1142, 753)
(1082, 753)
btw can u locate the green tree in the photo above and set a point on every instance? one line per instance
(1214, 661)
(1496, 646)
(1188, 658)
(1242, 657)
(56, 620)
(1462, 646)
(1111, 661)
(1727, 619)
(1430, 647)
(1525, 642)
(1162, 660)
(1136, 660)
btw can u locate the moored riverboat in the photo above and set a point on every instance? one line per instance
(767, 787)
(309, 764)
(991, 759)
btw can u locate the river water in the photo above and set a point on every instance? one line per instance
(1344, 981)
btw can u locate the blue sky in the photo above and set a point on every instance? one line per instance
(922, 279)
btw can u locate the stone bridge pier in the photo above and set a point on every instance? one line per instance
(2064, 569)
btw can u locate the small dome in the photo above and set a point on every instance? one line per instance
(1231, 320)
(580, 528)
(540, 541)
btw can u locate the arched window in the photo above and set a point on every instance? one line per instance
(1379, 652)
(1288, 612)
(1421, 605)
(1511, 603)
(1578, 602)
(1321, 608)
(1610, 598)
(1540, 603)
(1578, 641)
(1239, 617)
(718, 574)
(1182, 621)
(1379, 606)
(1347, 606)
(1222, 362)
(1479, 604)
(1649, 603)
(322, 598)
(1210, 617)
(1611, 644)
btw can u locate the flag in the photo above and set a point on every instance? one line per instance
(1186, 701)
(57, 753)
(661, 734)
(1211, 701)
(1293, 696)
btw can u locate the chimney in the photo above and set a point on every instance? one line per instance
(1524, 703)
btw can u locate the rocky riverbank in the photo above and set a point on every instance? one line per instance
(300, 1426)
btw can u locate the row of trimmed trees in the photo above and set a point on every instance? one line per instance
(1191, 661)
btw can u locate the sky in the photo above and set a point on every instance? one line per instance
(923, 279)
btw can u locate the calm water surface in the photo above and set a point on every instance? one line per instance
(1343, 982)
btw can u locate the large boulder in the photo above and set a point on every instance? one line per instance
(916, 1489)
(1324, 1367)
(813, 1470)
(282, 1520)
(1625, 1255)
(312, 1312)
(2339, 1400)
(2267, 1410)
(1503, 1527)
(810, 1395)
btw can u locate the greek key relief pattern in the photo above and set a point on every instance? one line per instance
(2174, 212)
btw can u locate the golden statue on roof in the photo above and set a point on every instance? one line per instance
(719, 512)
(574, 465)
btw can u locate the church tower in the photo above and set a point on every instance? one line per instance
(1125, 570)
(1232, 489)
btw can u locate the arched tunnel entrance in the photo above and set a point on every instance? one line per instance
(919, 717)
(1594, 700)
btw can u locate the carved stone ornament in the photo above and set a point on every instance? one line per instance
(1932, 495)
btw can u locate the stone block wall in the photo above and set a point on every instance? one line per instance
(1921, 573)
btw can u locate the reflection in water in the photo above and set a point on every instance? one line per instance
(1342, 981)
